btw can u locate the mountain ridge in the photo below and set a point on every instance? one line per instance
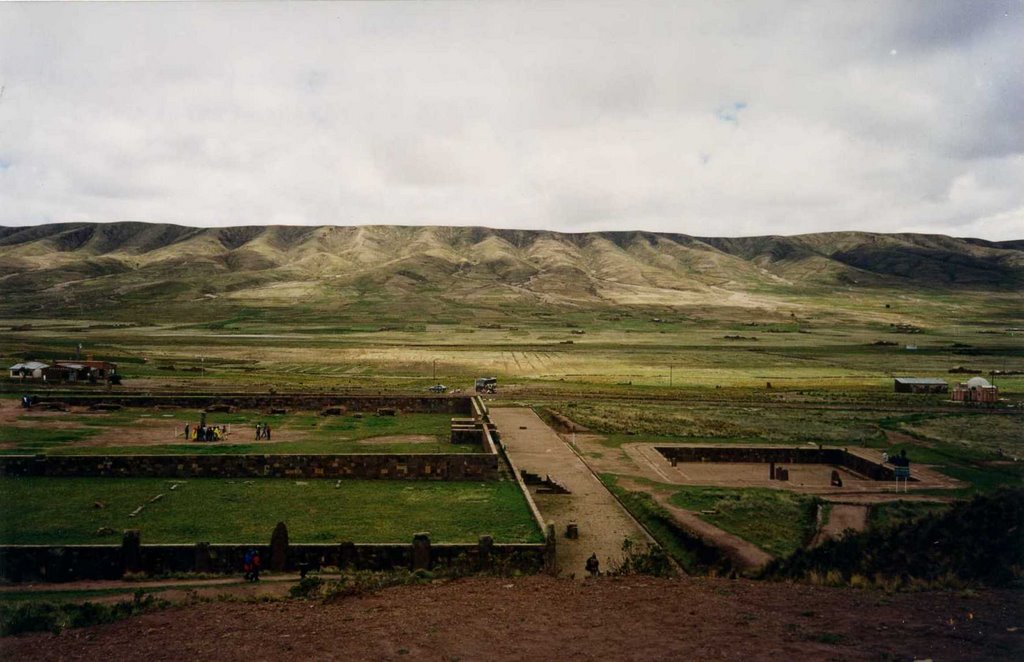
(109, 261)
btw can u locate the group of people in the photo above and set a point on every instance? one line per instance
(262, 431)
(205, 432)
(251, 565)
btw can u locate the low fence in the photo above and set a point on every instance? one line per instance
(439, 466)
(765, 455)
(42, 563)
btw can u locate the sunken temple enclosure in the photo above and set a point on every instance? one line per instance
(470, 425)
(837, 457)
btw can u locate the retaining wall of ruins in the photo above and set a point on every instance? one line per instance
(440, 404)
(439, 466)
(766, 454)
(52, 563)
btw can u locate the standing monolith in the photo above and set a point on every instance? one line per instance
(131, 551)
(203, 560)
(421, 551)
(279, 548)
(485, 547)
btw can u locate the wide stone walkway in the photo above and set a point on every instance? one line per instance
(603, 522)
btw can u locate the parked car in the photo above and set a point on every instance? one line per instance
(438, 388)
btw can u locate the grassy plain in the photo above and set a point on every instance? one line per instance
(816, 342)
(63, 510)
(817, 368)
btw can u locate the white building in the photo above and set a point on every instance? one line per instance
(28, 370)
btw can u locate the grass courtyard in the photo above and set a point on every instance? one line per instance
(50, 511)
(777, 521)
(160, 431)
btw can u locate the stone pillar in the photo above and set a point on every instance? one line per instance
(550, 560)
(131, 551)
(203, 562)
(279, 548)
(57, 565)
(421, 551)
(485, 546)
(347, 556)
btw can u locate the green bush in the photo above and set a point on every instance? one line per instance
(308, 587)
(642, 560)
(51, 617)
(980, 541)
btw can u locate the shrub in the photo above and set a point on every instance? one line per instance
(642, 560)
(51, 617)
(980, 541)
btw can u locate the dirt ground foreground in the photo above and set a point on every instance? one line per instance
(541, 618)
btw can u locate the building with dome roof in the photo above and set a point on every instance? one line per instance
(976, 389)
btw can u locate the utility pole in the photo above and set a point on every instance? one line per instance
(434, 372)
(670, 374)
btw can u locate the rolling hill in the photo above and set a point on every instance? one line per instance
(81, 269)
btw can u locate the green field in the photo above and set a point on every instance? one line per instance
(64, 510)
(777, 521)
(144, 431)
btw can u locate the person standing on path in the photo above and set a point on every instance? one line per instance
(593, 565)
(256, 565)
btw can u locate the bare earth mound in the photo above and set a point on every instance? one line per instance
(541, 618)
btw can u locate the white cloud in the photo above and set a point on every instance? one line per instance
(713, 118)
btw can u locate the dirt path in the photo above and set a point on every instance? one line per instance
(173, 590)
(744, 555)
(842, 517)
(128, 586)
(541, 618)
(603, 523)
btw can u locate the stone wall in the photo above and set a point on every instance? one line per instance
(441, 404)
(765, 455)
(440, 466)
(32, 563)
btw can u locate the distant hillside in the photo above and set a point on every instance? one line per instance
(89, 267)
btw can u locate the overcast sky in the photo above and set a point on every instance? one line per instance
(705, 118)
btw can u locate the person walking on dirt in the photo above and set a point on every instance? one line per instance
(593, 565)
(186, 432)
(259, 431)
(266, 432)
